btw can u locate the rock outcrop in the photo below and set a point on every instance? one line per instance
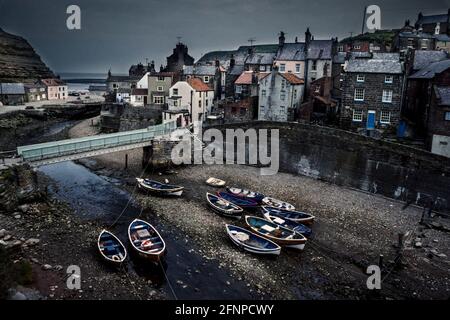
(19, 62)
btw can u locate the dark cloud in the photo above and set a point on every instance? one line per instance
(117, 33)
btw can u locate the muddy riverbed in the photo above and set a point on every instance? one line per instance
(351, 231)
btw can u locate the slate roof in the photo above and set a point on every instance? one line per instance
(442, 18)
(442, 37)
(200, 70)
(443, 94)
(388, 63)
(12, 88)
(415, 34)
(430, 71)
(162, 74)
(422, 58)
(113, 78)
(260, 58)
(198, 85)
(340, 57)
(291, 52)
(237, 70)
(320, 49)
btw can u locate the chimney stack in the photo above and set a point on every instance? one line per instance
(281, 39)
(232, 61)
(308, 37)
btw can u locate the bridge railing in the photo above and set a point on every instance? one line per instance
(67, 147)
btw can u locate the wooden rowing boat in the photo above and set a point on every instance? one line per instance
(159, 187)
(272, 202)
(239, 201)
(223, 207)
(146, 240)
(251, 242)
(111, 248)
(297, 216)
(247, 194)
(295, 226)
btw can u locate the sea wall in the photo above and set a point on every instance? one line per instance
(352, 160)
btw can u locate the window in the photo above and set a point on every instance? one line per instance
(387, 96)
(360, 78)
(389, 79)
(199, 103)
(175, 91)
(447, 116)
(206, 79)
(261, 109)
(238, 89)
(160, 78)
(411, 43)
(263, 93)
(282, 67)
(357, 115)
(159, 88)
(158, 100)
(206, 102)
(341, 48)
(175, 103)
(314, 66)
(297, 67)
(262, 68)
(359, 94)
(357, 47)
(283, 84)
(295, 94)
(282, 111)
(385, 117)
(282, 96)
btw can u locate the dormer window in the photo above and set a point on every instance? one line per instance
(360, 78)
(206, 79)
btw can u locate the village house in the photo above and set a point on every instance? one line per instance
(410, 38)
(179, 58)
(212, 75)
(159, 84)
(372, 92)
(12, 93)
(321, 107)
(35, 92)
(246, 85)
(56, 89)
(291, 57)
(280, 94)
(438, 122)
(426, 90)
(116, 82)
(434, 24)
(122, 95)
(193, 96)
(232, 75)
(138, 97)
(139, 70)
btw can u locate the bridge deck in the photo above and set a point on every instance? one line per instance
(87, 146)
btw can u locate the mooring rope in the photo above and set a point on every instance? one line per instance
(168, 281)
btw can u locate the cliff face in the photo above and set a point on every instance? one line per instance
(19, 62)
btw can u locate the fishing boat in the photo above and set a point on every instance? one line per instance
(252, 242)
(271, 202)
(241, 202)
(159, 187)
(244, 193)
(223, 207)
(296, 216)
(214, 182)
(295, 226)
(111, 248)
(146, 240)
(280, 235)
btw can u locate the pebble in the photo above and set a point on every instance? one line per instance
(7, 237)
(18, 296)
(17, 216)
(32, 242)
(2, 233)
(47, 267)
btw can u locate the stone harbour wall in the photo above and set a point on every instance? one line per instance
(352, 160)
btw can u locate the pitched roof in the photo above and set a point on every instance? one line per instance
(122, 78)
(237, 70)
(442, 18)
(422, 58)
(261, 58)
(246, 77)
(198, 85)
(200, 70)
(430, 71)
(162, 74)
(292, 52)
(320, 49)
(12, 88)
(53, 82)
(443, 94)
(292, 78)
(388, 63)
(415, 34)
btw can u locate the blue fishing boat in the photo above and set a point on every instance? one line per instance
(223, 207)
(296, 216)
(247, 194)
(241, 202)
(252, 242)
(111, 248)
(159, 187)
(295, 226)
(278, 234)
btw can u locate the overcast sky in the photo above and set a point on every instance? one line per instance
(118, 33)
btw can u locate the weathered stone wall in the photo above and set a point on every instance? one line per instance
(356, 161)
(134, 118)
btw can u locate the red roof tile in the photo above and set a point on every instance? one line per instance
(198, 84)
(292, 78)
(53, 82)
(246, 77)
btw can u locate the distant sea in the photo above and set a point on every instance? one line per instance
(82, 81)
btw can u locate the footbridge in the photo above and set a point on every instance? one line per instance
(78, 148)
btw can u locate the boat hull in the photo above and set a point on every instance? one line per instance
(148, 255)
(176, 192)
(274, 251)
(302, 217)
(236, 213)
